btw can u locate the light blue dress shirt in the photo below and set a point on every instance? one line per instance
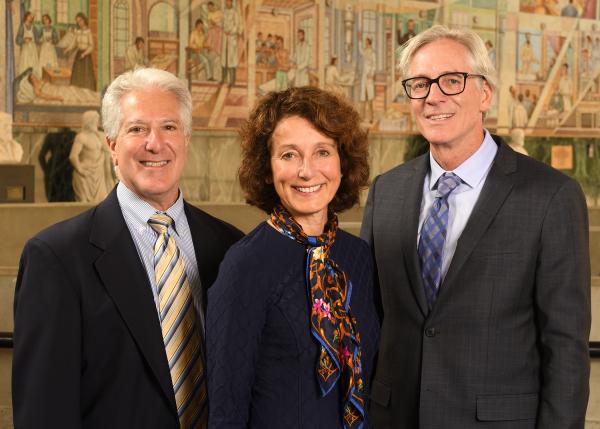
(137, 212)
(461, 201)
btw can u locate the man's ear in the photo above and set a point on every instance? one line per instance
(112, 145)
(487, 95)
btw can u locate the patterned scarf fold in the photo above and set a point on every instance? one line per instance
(332, 325)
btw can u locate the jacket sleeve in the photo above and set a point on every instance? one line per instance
(366, 233)
(235, 318)
(562, 298)
(47, 342)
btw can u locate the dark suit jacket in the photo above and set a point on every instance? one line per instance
(88, 348)
(506, 343)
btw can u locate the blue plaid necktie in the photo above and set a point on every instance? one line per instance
(433, 236)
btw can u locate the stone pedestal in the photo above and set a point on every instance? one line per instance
(16, 183)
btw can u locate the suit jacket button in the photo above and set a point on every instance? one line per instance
(430, 332)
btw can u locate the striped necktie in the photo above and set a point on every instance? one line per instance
(180, 329)
(433, 237)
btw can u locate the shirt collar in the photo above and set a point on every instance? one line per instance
(473, 169)
(140, 211)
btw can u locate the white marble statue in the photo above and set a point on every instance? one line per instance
(90, 156)
(517, 140)
(11, 151)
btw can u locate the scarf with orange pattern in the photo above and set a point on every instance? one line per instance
(331, 323)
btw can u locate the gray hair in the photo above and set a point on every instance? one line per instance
(480, 61)
(139, 80)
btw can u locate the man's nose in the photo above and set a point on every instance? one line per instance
(154, 140)
(435, 93)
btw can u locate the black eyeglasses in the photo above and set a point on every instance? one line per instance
(449, 83)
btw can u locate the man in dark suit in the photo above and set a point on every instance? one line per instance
(90, 308)
(482, 262)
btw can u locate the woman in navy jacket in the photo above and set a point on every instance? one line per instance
(291, 323)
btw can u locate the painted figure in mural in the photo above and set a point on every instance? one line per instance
(491, 51)
(200, 62)
(587, 46)
(282, 56)
(270, 42)
(527, 56)
(367, 78)
(232, 30)
(519, 118)
(82, 73)
(410, 31)
(27, 38)
(90, 157)
(269, 49)
(10, 149)
(48, 39)
(260, 47)
(214, 37)
(569, 10)
(565, 88)
(596, 55)
(528, 102)
(333, 78)
(309, 345)
(92, 319)
(301, 59)
(135, 56)
(482, 260)
(37, 91)
(30, 88)
(215, 27)
(555, 110)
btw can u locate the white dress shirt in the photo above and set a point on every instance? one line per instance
(461, 201)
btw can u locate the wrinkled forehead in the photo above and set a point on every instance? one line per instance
(149, 105)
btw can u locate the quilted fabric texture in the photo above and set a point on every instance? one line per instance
(260, 353)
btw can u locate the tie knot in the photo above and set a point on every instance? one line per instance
(447, 183)
(160, 222)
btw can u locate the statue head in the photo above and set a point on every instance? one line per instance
(90, 120)
(517, 137)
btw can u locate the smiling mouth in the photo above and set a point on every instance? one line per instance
(439, 116)
(154, 163)
(307, 190)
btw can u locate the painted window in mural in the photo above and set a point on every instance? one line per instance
(231, 52)
(163, 37)
(35, 9)
(120, 31)
(62, 9)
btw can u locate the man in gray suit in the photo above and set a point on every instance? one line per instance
(483, 264)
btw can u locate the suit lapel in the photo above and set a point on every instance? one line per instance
(205, 240)
(126, 281)
(497, 187)
(410, 227)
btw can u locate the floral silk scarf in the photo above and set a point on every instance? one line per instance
(332, 325)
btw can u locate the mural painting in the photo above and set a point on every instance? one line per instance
(60, 56)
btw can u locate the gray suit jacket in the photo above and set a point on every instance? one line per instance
(506, 343)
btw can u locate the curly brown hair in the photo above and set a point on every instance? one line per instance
(331, 115)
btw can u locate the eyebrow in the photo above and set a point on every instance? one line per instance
(295, 146)
(146, 121)
(444, 72)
